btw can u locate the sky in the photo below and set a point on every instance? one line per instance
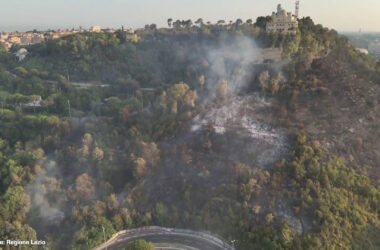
(22, 15)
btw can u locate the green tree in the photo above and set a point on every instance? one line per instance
(238, 22)
(3, 48)
(221, 22)
(199, 22)
(140, 245)
(262, 21)
(170, 20)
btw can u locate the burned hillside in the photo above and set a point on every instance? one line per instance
(190, 127)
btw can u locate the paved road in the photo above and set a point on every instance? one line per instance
(169, 239)
(187, 238)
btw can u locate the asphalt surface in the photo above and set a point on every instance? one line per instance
(166, 238)
(189, 241)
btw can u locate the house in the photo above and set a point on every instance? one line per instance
(133, 38)
(96, 29)
(283, 22)
(14, 39)
(34, 102)
(21, 54)
(361, 50)
(38, 38)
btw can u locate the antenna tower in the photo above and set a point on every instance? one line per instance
(297, 8)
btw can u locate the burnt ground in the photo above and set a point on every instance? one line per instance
(342, 113)
(345, 119)
(198, 168)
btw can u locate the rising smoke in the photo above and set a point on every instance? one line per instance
(232, 61)
(46, 193)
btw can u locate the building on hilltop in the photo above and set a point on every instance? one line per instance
(34, 37)
(96, 29)
(283, 22)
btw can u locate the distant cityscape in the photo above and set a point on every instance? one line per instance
(33, 37)
(282, 22)
(367, 43)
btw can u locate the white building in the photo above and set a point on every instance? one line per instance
(284, 22)
(21, 54)
(361, 50)
(96, 29)
(36, 102)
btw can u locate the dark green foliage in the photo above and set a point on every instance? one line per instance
(342, 202)
(261, 22)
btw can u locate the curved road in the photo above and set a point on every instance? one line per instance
(186, 238)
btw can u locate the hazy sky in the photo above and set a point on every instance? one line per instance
(342, 15)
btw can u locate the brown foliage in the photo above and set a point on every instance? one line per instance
(140, 168)
(149, 152)
(84, 187)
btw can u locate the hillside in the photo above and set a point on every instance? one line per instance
(190, 128)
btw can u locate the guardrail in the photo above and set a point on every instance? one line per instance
(155, 230)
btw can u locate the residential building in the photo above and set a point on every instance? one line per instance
(96, 29)
(361, 50)
(21, 54)
(35, 102)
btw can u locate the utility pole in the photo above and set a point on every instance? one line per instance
(104, 236)
(68, 75)
(142, 100)
(68, 103)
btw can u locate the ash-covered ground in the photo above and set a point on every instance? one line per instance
(203, 158)
(248, 118)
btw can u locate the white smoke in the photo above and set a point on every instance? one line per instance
(235, 62)
(232, 61)
(45, 185)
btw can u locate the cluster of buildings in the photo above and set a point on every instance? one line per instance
(283, 22)
(29, 38)
(21, 38)
(374, 48)
(366, 44)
